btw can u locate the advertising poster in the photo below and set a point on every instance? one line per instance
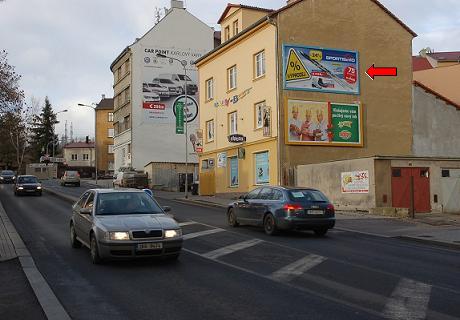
(323, 123)
(262, 168)
(222, 160)
(234, 172)
(355, 182)
(320, 69)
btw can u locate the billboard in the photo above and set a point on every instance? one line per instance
(320, 70)
(323, 123)
(355, 182)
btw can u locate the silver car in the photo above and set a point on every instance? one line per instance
(123, 224)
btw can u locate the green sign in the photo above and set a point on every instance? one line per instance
(179, 110)
(345, 123)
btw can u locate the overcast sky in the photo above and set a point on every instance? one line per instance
(63, 48)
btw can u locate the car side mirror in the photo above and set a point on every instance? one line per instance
(167, 209)
(85, 211)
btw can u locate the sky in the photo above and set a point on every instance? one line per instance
(63, 48)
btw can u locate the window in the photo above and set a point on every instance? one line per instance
(232, 122)
(85, 156)
(253, 194)
(259, 114)
(127, 96)
(235, 28)
(127, 66)
(110, 133)
(110, 148)
(231, 78)
(126, 122)
(209, 89)
(119, 73)
(210, 130)
(278, 195)
(445, 173)
(227, 33)
(266, 194)
(262, 168)
(259, 62)
(129, 148)
(82, 200)
(116, 127)
(74, 157)
(90, 202)
(233, 171)
(110, 114)
(205, 164)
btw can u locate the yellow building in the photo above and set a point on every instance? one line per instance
(104, 136)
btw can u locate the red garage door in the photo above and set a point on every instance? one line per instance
(400, 188)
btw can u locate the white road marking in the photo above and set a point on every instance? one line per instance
(409, 301)
(201, 233)
(231, 248)
(297, 268)
(186, 223)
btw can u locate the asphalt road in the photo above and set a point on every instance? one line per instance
(292, 276)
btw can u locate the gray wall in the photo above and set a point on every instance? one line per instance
(435, 125)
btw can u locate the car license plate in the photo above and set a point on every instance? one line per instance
(315, 211)
(30, 190)
(149, 246)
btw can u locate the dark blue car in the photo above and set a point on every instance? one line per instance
(280, 208)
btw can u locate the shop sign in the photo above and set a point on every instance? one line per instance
(320, 69)
(323, 123)
(210, 163)
(233, 100)
(222, 160)
(355, 182)
(236, 138)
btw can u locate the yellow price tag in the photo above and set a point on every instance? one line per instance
(316, 55)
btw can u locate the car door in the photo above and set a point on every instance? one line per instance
(245, 205)
(87, 219)
(76, 214)
(261, 204)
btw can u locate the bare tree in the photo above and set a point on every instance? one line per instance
(11, 96)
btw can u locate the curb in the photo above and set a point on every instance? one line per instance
(205, 204)
(50, 304)
(447, 245)
(67, 198)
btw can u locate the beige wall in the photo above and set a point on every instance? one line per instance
(102, 139)
(386, 101)
(79, 152)
(245, 17)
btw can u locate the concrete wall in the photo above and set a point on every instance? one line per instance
(435, 125)
(165, 176)
(327, 178)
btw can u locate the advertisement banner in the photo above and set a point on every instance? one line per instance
(234, 172)
(222, 160)
(323, 123)
(262, 167)
(355, 182)
(320, 69)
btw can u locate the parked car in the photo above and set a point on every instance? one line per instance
(123, 224)
(70, 177)
(7, 176)
(179, 81)
(280, 208)
(174, 89)
(27, 185)
(131, 179)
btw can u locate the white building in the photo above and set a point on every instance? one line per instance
(146, 89)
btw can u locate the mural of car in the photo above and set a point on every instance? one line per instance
(162, 91)
(174, 89)
(179, 80)
(151, 97)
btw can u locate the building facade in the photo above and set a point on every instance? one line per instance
(148, 88)
(104, 136)
(80, 156)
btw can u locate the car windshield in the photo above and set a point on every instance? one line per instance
(307, 195)
(182, 77)
(71, 173)
(166, 81)
(124, 203)
(7, 173)
(27, 180)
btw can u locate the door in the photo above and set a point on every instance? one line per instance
(450, 187)
(401, 188)
(207, 183)
(260, 205)
(245, 207)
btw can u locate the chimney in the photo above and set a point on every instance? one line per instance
(177, 4)
(103, 96)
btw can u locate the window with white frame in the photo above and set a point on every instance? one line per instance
(231, 78)
(227, 33)
(74, 157)
(85, 156)
(110, 133)
(210, 130)
(259, 114)
(235, 28)
(110, 115)
(233, 123)
(210, 89)
(110, 148)
(259, 61)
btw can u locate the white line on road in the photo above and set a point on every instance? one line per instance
(409, 301)
(186, 223)
(201, 233)
(231, 248)
(297, 268)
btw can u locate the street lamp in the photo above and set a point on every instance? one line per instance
(54, 124)
(184, 64)
(92, 106)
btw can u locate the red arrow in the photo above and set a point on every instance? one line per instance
(384, 71)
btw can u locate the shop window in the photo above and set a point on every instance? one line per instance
(262, 168)
(205, 164)
(234, 176)
(396, 173)
(445, 173)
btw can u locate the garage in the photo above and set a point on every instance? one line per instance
(450, 187)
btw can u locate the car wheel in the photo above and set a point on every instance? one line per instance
(320, 232)
(173, 257)
(270, 225)
(95, 257)
(78, 184)
(231, 218)
(73, 238)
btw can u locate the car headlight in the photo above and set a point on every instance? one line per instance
(39, 188)
(118, 236)
(20, 188)
(14, 178)
(1, 178)
(173, 233)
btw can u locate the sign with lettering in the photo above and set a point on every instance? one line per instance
(355, 182)
(233, 100)
(236, 138)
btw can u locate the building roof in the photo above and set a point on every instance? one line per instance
(437, 94)
(76, 145)
(105, 104)
(241, 6)
(420, 63)
(451, 56)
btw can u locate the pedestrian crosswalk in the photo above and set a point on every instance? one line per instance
(403, 299)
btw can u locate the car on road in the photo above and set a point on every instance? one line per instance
(70, 177)
(27, 185)
(123, 224)
(280, 208)
(131, 179)
(7, 176)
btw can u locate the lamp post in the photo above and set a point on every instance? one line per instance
(92, 106)
(65, 110)
(184, 64)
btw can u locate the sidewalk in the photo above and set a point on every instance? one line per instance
(432, 228)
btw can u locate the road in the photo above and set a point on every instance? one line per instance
(292, 276)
